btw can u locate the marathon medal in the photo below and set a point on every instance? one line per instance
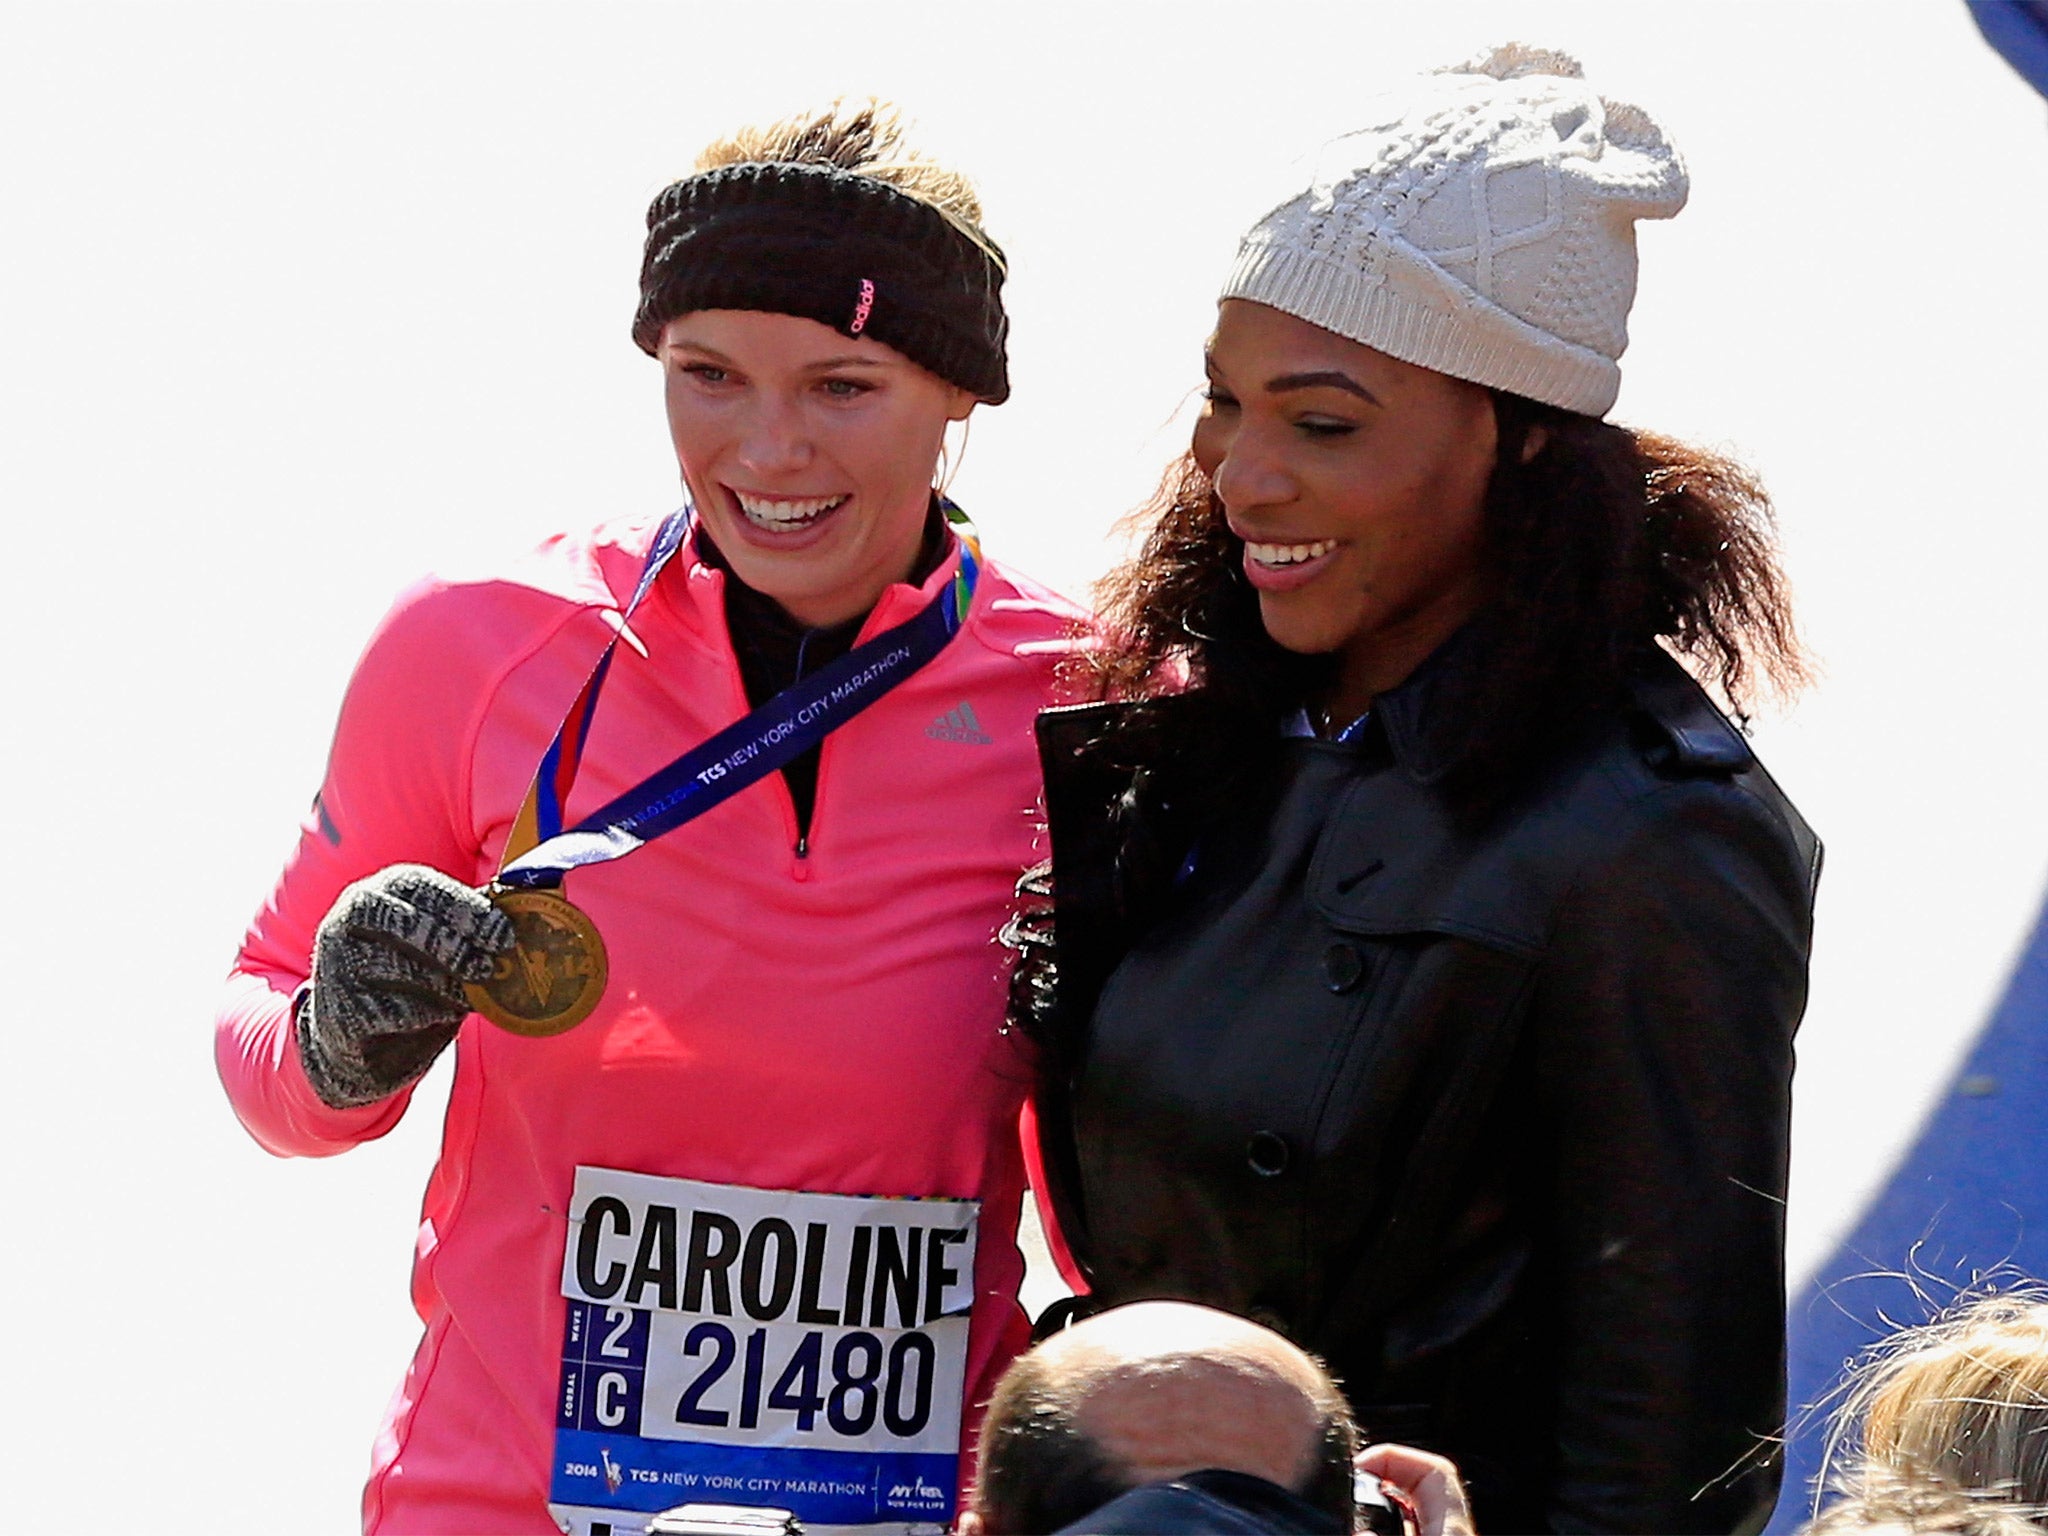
(554, 974)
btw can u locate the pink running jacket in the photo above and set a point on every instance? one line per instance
(826, 1023)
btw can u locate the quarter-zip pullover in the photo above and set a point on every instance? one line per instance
(829, 1023)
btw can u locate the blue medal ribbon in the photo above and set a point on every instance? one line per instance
(795, 720)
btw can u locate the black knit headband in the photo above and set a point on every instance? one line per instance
(842, 249)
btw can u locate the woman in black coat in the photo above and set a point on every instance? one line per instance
(1427, 947)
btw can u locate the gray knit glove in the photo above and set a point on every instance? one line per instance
(386, 994)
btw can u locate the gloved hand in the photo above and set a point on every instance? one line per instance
(389, 963)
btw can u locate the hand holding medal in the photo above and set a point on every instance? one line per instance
(391, 961)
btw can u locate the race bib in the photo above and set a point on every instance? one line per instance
(728, 1345)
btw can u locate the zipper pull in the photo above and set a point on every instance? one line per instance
(803, 845)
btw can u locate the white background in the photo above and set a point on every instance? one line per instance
(297, 300)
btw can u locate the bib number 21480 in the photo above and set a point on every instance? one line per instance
(863, 1379)
(747, 1346)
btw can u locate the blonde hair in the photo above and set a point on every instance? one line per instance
(1960, 1403)
(1902, 1510)
(866, 137)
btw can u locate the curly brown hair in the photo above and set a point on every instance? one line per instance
(1602, 542)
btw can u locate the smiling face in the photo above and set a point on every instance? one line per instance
(809, 455)
(1357, 482)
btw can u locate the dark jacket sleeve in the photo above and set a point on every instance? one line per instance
(1661, 1037)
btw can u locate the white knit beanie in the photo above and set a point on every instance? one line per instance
(1482, 225)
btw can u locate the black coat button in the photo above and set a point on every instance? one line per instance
(1343, 967)
(1268, 1153)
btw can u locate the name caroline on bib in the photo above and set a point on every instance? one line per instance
(654, 1256)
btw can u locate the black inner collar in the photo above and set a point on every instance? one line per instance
(775, 649)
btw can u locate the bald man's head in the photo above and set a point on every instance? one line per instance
(1149, 1392)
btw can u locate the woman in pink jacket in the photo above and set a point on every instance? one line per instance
(717, 816)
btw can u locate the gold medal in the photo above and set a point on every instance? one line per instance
(553, 975)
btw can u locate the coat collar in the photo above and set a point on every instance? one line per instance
(1683, 729)
(1411, 715)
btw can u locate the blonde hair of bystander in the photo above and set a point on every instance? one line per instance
(1959, 1404)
